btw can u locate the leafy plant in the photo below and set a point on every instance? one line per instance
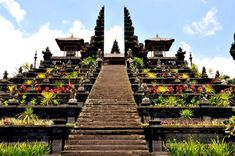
(49, 98)
(186, 113)
(193, 147)
(220, 148)
(175, 70)
(184, 76)
(24, 149)
(195, 101)
(162, 89)
(49, 70)
(88, 61)
(230, 126)
(41, 76)
(172, 101)
(195, 71)
(138, 61)
(23, 101)
(209, 88)
(28, 82)
(145, 71)
(159, 101)
(27, 115)
(59, 84)
(151, 75)
(225, 98)
(185, 148)
(33, 101)
(72, 75)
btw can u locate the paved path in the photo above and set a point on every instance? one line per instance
(109, 123)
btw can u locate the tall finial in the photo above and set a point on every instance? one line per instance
(191, 58)
(35, 59)
(204, 74)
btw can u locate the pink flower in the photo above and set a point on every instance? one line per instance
(39, 88)
(47, 88)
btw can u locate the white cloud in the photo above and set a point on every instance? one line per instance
(116, 32)
(204, 1)
(14, 9)
(79, 30)
(209, 25)
(223, 64)
(65, 22)
(17, 47)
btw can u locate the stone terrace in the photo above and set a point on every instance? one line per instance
(109, 122)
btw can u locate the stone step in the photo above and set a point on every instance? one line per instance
(110, 114)
(105, 142)
(104, 153)
(118, 122)
(107, 132)
(111, 111)
(105, 147)
(108, 126)
(161, 154)
(106, 137)
(108, 119)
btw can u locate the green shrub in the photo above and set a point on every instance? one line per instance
(88, 61)
(186, 113)
(193, 147)
(220, 148)
(185, 148)
(24, 149)
(138, 61)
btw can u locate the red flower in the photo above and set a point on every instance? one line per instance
(185, 87)
(200, 89)
(27, 89)
(154, 90)
(39, 88)
(55, 90)
(179, 89)
(193, 87)
(171, 89)
(22, 87)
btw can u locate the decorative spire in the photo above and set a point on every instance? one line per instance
(191, 59)
(115, 48)
(217, 75)
(5, 75)
(204, 74)
(35, 59)
(180, 56)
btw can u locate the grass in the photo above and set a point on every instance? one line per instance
(24, 149)
(193, 147)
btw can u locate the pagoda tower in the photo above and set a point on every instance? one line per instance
(97, 41)
(158, 45)
(115, 48)
(70, 45)
(131, 40)
(232, 49)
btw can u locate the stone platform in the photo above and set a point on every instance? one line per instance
(114, 59)
(109, 123)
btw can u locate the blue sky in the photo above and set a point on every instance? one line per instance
(204, 27)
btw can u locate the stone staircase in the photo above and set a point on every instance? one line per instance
(109, 123)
